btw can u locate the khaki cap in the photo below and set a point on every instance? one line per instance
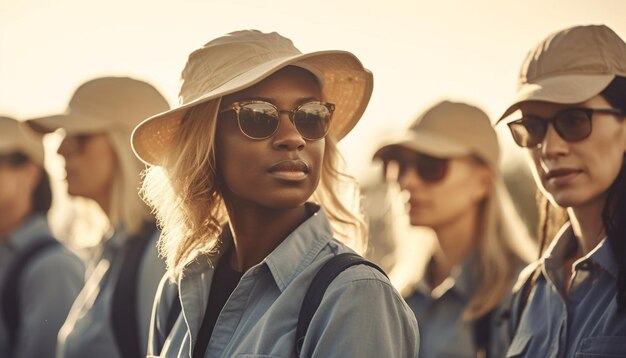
(103, 105)
(243, 58)
(570, 66)
(449, 130)
(16, 139)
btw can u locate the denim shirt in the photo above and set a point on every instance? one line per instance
(88, 331)
(439, 312)
(584, 323)
(48, 286)
(361, 314)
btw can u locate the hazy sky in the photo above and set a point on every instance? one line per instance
(419, 51)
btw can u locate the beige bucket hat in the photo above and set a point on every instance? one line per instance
(16, 139)
(105, 104)
(570, 66)
(448, 130)
(243, 58)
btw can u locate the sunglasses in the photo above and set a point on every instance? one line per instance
(428, 168)
(14, 160)
(571, 124)
(260, 119)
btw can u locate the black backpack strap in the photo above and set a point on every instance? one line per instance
(172, 315)
(482, 334)
(324, 277)
(11, 285)
(124, 316)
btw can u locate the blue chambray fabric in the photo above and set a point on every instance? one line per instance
(584, 323)
(361, 314)
(49, 285)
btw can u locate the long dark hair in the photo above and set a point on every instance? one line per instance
(614, 212)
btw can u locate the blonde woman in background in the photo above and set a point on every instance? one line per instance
(111, 315)
(39, 277)
(446, 164)
(247, 182)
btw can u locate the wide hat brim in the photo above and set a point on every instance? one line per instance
(431, 144)
(72, 124)
(566, 89)
(345, 82)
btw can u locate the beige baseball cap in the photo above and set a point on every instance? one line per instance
(243, 58)
(103, 105)
(448, 130)
(570, 66)
(16, 139)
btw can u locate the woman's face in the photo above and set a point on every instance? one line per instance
(577, 173)
(90, 165)
(279, 172)
(443, 202)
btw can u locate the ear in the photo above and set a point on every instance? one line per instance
(484, 183)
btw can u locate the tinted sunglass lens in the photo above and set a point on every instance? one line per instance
(528, 132)
(14, 159)
(258, 120)
(431, 168)
(312, 120)
(573, 125)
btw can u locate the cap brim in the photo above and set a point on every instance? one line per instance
(567, 89)
(426, 143)
(72, 124)
(151, 137)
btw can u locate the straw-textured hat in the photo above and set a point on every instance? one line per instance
(16, 139)
(449, 130)
(241, 59)
(570, 66)
(105, 104)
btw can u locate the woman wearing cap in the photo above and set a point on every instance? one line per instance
(111, 316)
(39, 278)
(572, 98)
(447, 163)
(244, 182)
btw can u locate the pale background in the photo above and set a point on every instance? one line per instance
(419, 51)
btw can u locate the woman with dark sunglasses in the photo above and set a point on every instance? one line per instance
(447, 164)
(39, 277)
(248, 185)
(572, 99)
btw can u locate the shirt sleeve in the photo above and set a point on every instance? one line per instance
(49, 288)
(362, 315)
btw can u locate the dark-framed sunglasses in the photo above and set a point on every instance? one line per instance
(261, 119)
(428, 168)
(571, 124)
(15, 159)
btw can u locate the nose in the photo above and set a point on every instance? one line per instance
(553, 145)
(408, 179)
(287, 136)
(64, 148)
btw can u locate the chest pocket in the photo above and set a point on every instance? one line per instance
(519, 345)
(602, 347)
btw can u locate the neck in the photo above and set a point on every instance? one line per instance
(587, 224)
(257, 231)
(457, 239)
(12, 216)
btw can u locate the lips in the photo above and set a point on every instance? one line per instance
(290, 169)
(561, 173)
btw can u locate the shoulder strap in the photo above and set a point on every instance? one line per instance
(172, 315)
(324, 277)
(124, 317)
(482, 334)
(11, 285)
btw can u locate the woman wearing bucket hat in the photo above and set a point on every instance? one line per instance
(245, 181)
(110, 317)
(39, 278)
(447, 163)
(572, 99)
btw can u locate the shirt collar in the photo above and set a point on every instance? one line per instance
(299, 248)
(565, 242)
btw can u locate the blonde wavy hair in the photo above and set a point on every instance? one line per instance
(184, 193)
(504, 245)
(127, 209)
